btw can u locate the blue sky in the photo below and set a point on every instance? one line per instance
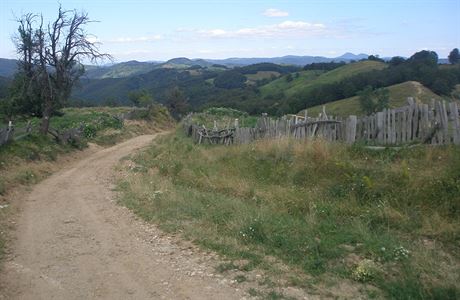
(160, 30)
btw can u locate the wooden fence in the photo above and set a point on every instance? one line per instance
(11, 132)
(437, 123)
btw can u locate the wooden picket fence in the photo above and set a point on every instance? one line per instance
(437, 123)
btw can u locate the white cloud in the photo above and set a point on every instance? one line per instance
(93, 39)
(135, 39)
(280, 30)
(273, 12)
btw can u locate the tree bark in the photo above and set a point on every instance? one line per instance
(46, 118)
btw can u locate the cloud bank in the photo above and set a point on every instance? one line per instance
(275, 13)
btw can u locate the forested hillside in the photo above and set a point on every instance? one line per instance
(265, 87)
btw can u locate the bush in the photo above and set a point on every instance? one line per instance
(230, 80)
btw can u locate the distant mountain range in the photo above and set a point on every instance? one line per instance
(131, 68)
(8, 67)
(288, 60)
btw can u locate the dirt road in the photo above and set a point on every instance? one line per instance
(73, 242)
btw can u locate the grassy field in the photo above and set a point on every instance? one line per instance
(384, 223)
(310, 79)
(398, 97)
(288, 88)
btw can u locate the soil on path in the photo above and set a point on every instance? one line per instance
(73, 242)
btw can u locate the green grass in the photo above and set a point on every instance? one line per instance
(289, 88)
(323, 209)
(260, 75)
(74, 116)
(224, 117)
(398, 98)
(311, 79)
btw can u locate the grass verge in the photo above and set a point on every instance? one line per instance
(383, 222)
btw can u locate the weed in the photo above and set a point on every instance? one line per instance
(221, 268)
(300, 203)
(240, 278)
(365, 271)
(26, 177)
(253, 292)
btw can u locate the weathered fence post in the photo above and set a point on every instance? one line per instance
(456, 123)
(380, 126)
(9, 132)
(351, 129)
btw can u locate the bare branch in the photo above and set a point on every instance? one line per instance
(52, 55)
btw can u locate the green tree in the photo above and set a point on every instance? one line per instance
(382, 97)
(454, 56)
(141, 98)
(176, 103)
(111, 101)
(375, 58)
(372, 101)
(365, 100)
(51, 59)
(289, 77)
(396, 61)
(230, 80)
(425, 57)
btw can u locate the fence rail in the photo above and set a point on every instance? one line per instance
(11, 132)
(437, 123)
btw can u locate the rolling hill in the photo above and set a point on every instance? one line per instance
(8, 67)
(398, 97)
(120, 70)
(287, 60)
(309, 79)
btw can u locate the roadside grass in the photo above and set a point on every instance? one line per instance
(386, 221)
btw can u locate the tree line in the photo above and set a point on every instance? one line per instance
(51, 60)
(422, 67)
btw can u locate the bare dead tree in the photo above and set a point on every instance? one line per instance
(53, 56)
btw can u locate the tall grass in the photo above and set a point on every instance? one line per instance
(387, 218)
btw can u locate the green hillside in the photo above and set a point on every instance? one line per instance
(398, 98)
(289, 87)
(310, 79)
(261, 75)
(120, 70)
